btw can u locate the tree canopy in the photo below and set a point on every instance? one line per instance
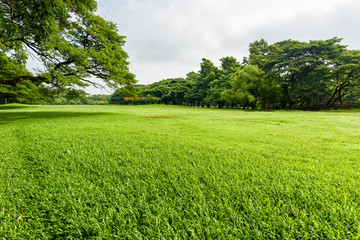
(246, 86)
(170, 91)
(25, 91)
(73, 43)
(319, 74)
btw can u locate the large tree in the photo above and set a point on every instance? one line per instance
(229, 65)
(192, 97)
(300, 68)
(247, 87)
(208, 73)
(73, 43)
(344, 78)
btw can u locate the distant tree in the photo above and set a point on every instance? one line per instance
(229, 65)
(246, 87)
(131, 90)
(117, 97)
(71, 41)
(345, 78)
(299, 68)
(260, 53)
(170, 91)
(216, 87)
(208, 73)
(59, 100)
(191, 97)
(99, 97)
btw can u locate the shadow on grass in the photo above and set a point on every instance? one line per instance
(6, 117)
(14, 106)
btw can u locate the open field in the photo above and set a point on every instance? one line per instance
(177, 172)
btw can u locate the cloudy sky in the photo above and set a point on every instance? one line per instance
(168, 38)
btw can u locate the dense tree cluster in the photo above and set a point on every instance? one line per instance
(306, 74)
(169, 91)
(289, 74)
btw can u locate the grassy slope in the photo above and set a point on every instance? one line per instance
(178, 172)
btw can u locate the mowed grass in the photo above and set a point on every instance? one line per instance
(174, 172)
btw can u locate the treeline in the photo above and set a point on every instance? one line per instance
(59, 99)
(98, 99)
(290, 74)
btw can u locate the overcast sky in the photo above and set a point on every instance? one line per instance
(168, 38)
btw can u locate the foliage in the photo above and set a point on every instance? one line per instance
(170, 91)
(259, 53)
(300, 68)
(97, 99)
(141, 100)
(305, 75)
(192, 97)
(229, 65)
(345, 78)
(117, 97)
(246, 86)
(73, 43)
(208, 73)
(23, 92)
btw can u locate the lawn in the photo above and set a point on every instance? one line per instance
(176, 172)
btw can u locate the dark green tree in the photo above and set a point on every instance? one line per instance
(192, 97)
(260, 53)
(299, 68)
(229, 65)
(117, 97)
(208, 73)
(171, 91)
(247, 86)
(344, 80)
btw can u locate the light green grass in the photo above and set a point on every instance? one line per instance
(174, 172)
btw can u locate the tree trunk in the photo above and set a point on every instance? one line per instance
(253, 105)
(291, 104)
(330, 102)
(340, 99)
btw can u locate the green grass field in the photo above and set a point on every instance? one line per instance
(175, 172)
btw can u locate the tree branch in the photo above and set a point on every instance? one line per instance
(12, 10)
(84, 80)
(63, 63)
